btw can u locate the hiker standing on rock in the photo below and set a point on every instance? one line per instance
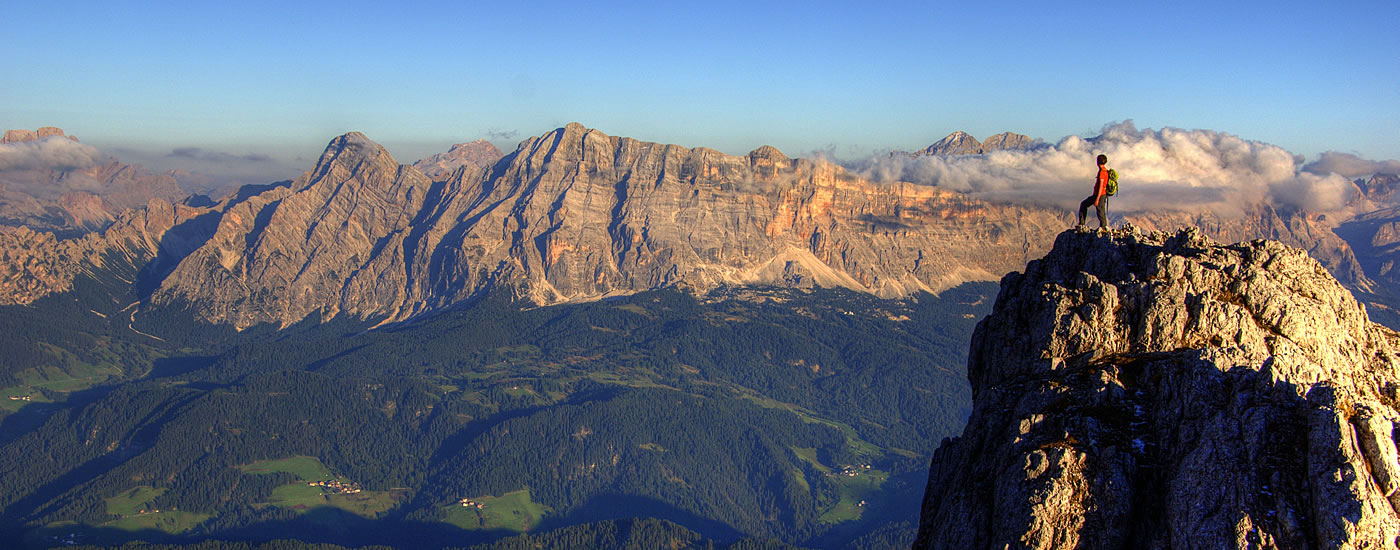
(1101, 193)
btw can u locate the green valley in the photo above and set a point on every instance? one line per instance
(805, 417)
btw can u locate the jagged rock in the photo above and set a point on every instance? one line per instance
(479, 153)
(1382, 189)
(1375, 237)
(1311, 232)
(579, 215)
(35, 264)
(1137, 390)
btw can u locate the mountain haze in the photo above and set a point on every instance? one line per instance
(50, 182)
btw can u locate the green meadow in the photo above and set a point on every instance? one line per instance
(513, 511)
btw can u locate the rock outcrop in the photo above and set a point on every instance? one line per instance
(579, 215)
(1383, 189)
(1140, 390)
(1311, 232)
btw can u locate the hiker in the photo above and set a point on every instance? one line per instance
(1099, 199)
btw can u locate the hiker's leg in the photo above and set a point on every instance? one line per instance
(1084, 209)
(1103, 211)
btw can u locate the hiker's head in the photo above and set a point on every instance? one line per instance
(1103, 159)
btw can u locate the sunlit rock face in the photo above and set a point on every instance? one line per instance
(580, 215)
(1155, 390)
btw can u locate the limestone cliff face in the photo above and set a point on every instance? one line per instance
(1383, 189)
(35, 264)
(23, 136)
(330, 242)
(1137, 390)
(577, 215)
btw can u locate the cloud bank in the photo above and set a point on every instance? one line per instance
(499, 134)
(1167, 169)
(1350, 166)
(50, 153)
(204, 155)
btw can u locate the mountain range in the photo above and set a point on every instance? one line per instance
(594, 328)
(82, 192)
(962, 143)
(578, 215)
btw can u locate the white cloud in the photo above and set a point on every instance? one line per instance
(1158, 169)
(1350, 166)
(50, 153)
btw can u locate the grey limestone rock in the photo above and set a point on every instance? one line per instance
(1154, 390)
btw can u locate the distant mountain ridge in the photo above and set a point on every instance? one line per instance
(962, 143)
(25, 136)
(72, 202)
(577, 215)
(479, 153)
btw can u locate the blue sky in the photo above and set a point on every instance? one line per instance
(853, 78)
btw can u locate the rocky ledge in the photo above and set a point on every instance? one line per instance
(1154, 390)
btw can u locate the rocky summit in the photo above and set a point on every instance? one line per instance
(962, 143)
(479, 153)
(1155, 390)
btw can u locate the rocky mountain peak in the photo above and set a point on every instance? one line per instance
(356, 145)
(767, 153)
(351, 154)
(1382, 188)
(479, 153)
(1162, 390)
(21, 136)
(956, 143)
(1006, 141)
(767, 161)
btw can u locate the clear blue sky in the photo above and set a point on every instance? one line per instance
(282, 78)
